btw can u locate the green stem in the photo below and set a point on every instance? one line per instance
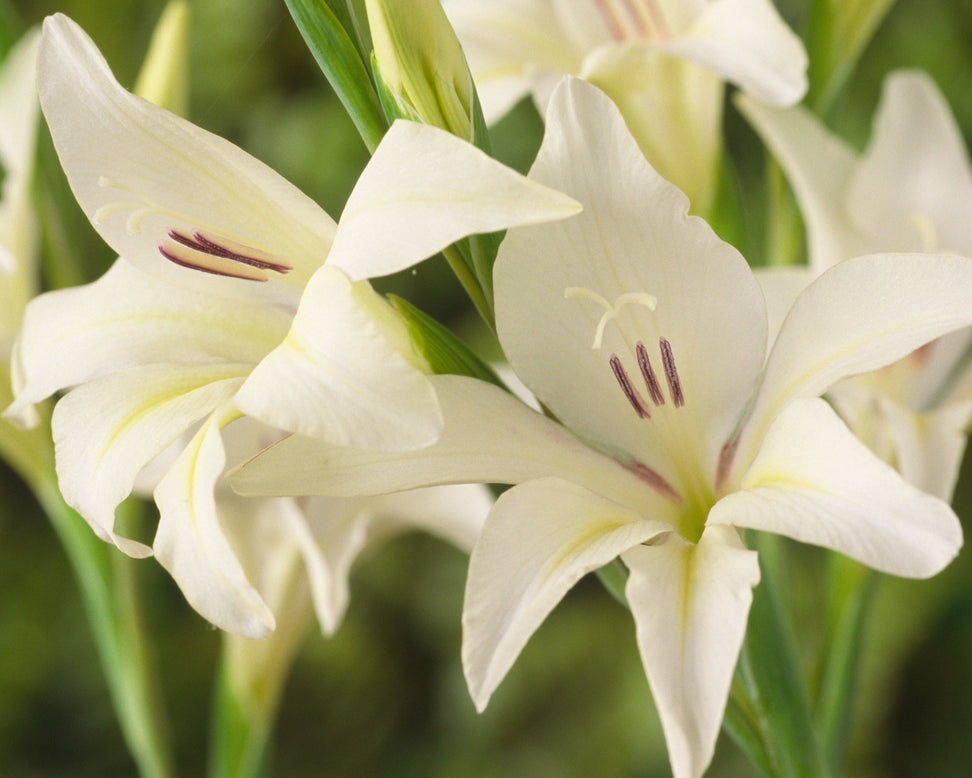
(110, 596)
(469, 284)
(250, 681)
(850, 589)
(771, 720)
(240, 733)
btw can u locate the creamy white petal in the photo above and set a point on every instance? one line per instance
(937, 373)
(330, 536)
(139, 171)
(819, 167)
(813, 481)
(929, 446)
(514, 47)
(781, 286)
(454, 513)
(913, 186)
(190, 542)
(862, 314)
(748, 43)
(126, 319)
(540, 538)
(633, 240)
(690, 603)
(344, 373)
(585, 23)
(18, 106)
(489, 437)
(673, 108)
(333, 532)
(108, 429)
(19, 112)
(259, 533)
(424, 189)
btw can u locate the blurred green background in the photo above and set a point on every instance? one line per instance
(386, 694)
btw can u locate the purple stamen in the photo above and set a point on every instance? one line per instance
(629, 391)
(649, 374)
(182, 263)
(671, 374)
(205, 244)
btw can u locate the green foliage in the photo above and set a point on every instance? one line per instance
(341, 63)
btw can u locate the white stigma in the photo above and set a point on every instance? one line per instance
(611, 312)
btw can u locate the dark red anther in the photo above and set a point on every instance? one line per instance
(629, 391)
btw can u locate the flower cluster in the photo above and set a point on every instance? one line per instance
(672, 402)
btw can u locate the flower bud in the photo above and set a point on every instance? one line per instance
(422, 65)
(164, 77)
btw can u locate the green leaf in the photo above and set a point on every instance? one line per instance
(340, 62)
(837, 33)
(445, 353)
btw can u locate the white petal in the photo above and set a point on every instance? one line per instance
(585, 23)
(781, 286)
(690, 604)
(126, 319)
(108, 429)
(344, 374)
(819, 167)
(489, 437)
(424, 189)
(330, 536)
(139, 171)
(18, 106)
(514, 47)
(259, 533)
(936, 374)
(861, 314)
(539, 540)
(929, 446)
(336, 530)
(19, 111)
(914, 183)
(673, 108)
(633, 237)
(812, 480)
(191, 544)
(751, 46)
(454, 513)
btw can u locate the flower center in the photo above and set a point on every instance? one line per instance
(655, 391)
(224, 258)
(633, 19)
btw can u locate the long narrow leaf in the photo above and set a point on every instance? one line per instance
(338, 58)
